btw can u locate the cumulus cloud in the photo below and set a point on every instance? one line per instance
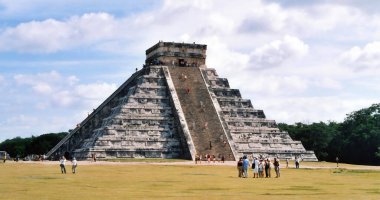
(234, 21)
(296, 45)
(328, 83)
(94, 91)
(306, 21)
(272, 85)
(268, 17)
(2, 80)
(52, 35)
(61, 91)
(41, 83)
(277, 52)
(310, 109)
(225, 60)
(21, 119)
(363, 58)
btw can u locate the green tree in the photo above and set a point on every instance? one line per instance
(16, 146)
(360, 133)
(356, 140)
(32, 145)
(315, 136)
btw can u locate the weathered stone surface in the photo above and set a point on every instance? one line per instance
(176, 107)
(248, 128)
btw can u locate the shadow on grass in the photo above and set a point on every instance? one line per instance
(354, 171)
(41, 177)
(370, 191)
(303, 188)
(295, 194)
(198, 174)
(209, 189)
(294, 190)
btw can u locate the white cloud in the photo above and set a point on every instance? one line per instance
(277, 52)
(53, 35)
(51, 76)
(175, 5)
(2, 80)
(94, 90)
(236, 22)
(363, 58)
(328, 83)
(296, 45)
(42, 88)
(266, 17)
(21, 119)
(225, 60)
(26, 125)
(62, 98)
(311, 109)
(270, 84)
(71, 80)
(61, 91)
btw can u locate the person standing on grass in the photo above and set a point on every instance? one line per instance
(74, 166)
(245, 166)
(270, 167)
(5, 157)
(261, 174)
(256, 168)
(240, 167)
(287, 162)
(62, 164)
(276, 164)
(266, 166)
(297, 162)
(337, 161)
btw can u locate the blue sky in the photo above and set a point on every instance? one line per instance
(299, 61)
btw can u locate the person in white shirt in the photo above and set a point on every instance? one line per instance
(74, 162)
(256, 168)
(62, 163)
(297, 162)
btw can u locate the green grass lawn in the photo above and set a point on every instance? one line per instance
(147, 181)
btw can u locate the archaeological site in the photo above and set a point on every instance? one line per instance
(177, 107)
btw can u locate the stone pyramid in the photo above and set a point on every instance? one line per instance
(176, 107)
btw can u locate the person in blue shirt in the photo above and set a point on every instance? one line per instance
(245, 166)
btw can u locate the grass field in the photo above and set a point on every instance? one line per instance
(150, 181)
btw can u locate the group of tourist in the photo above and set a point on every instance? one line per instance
(62, 164)
(209, 158)
(260, 167)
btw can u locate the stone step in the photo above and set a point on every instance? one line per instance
(204, 124)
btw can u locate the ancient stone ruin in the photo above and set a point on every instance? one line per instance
(176, 107)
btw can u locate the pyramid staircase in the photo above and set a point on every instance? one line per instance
(206, 130)
(176, 107)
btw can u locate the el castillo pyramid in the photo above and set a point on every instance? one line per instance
(176, 107)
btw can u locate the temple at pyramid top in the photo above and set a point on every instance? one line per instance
(177, 107)
(179, 54)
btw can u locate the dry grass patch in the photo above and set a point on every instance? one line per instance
(147, 181)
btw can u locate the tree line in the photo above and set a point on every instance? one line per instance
(40, 145)
(356, 140)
